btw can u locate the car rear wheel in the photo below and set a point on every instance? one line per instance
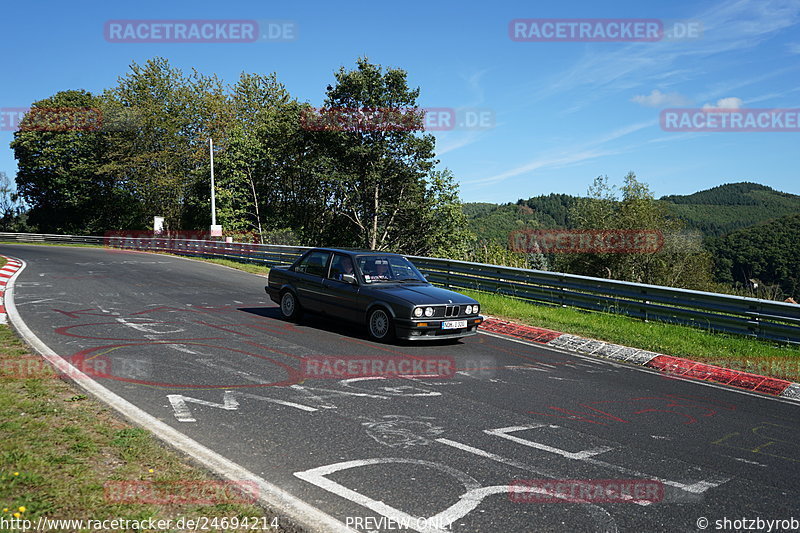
(290, 309)
(380, 325)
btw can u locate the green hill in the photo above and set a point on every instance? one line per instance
(715, 212)
(732, 206)
(494, 222)
(752, 231)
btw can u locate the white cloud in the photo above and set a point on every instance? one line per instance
(574, 155)
(725, 103)
(658, 99)
(794, 48)
(727, 27)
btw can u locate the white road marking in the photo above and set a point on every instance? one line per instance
(184, 414)
(587, 456)
(279, 402)
(467, 502)
(182, 348)
(520, 465)
(504, 433)
(401, 431)
(149, 326)
(333, 393)
(748, 462)
(392, 391)
(316, 476)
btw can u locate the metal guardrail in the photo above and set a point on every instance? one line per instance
(764, 319)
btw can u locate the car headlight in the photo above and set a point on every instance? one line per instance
(468, 310)
(429, 311)
(417, 312)
(476, 308)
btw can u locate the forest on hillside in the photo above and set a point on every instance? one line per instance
(749, 231)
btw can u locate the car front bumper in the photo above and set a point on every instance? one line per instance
(427, 330)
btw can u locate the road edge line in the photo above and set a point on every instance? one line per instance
(299, 513)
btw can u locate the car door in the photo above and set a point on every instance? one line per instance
(342, 297)
(310, 272)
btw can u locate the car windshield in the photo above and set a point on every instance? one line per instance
(388, 268)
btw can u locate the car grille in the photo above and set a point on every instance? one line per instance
(452, 310)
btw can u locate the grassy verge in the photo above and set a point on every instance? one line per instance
(730, 351)
(62, 456)
(247, 267)
(74, 245)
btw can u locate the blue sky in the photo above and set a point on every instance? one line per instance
(564, 112)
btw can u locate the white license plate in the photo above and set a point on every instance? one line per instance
(454, 324)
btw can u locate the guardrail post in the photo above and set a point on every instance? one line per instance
(644, 310)
(447, 278)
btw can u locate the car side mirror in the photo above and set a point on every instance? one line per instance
(349, 278)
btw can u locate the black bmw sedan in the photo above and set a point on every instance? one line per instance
(382, 290)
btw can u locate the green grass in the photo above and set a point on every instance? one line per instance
(59, 448)
(75, 245)
(247, 267)
(730, 351)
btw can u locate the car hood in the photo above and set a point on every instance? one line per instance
(425, 294)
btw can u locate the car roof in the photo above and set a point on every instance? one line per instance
(352, 251)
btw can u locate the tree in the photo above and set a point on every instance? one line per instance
(60, 174)
(12, 215)
(439, 226)
(371, 186)
(159, 149)
(378, 170)
(681, 262)
(769, 253)
(259, 160)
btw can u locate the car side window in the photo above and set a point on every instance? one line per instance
(314, 263)
(340, 265)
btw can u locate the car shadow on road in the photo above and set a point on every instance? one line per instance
(340, 327)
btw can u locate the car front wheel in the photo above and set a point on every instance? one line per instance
(290, 309)
(380, 325)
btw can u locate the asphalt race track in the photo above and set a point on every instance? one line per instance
(202, 348)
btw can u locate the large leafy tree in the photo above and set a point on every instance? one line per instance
(681, 262)
(378, 167)
(372, 186)
(259, 159)
(161, 120)
(60, 170)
